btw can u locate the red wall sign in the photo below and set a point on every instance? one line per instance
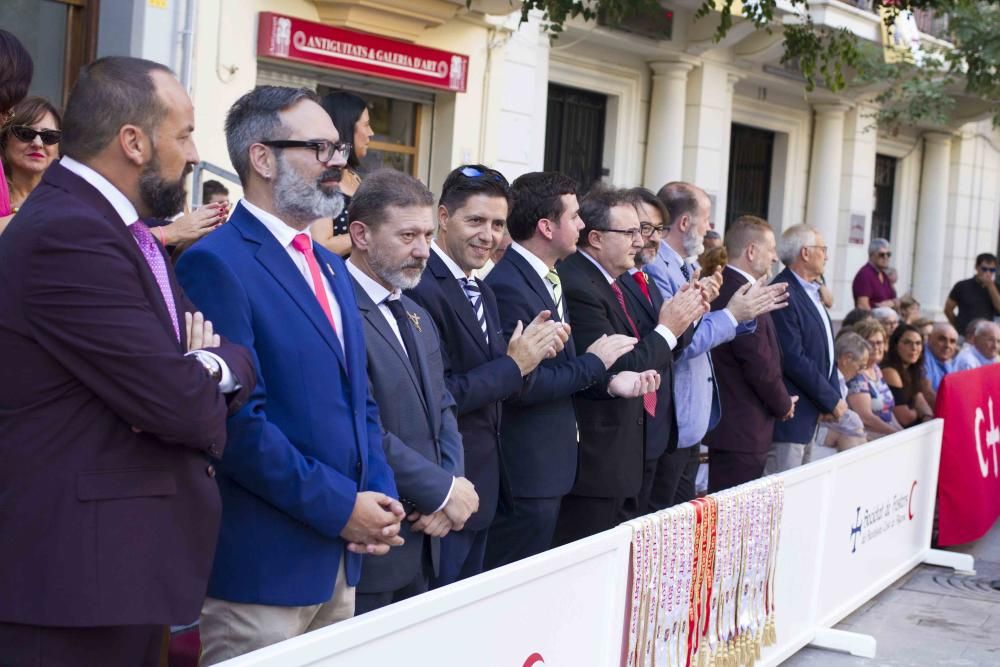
(288, 38)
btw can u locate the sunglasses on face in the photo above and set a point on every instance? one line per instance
(28, 134)
(988, 269)
(885, 254)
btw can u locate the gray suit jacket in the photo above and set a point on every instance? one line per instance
(420, 436)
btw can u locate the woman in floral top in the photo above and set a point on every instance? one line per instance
(867, 392)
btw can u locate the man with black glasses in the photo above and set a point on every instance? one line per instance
(976, 297)
(872, 286)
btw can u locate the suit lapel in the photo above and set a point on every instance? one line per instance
(810, 306)
(627, 281)
(457, 299)
(602, 288)
(536, 284)
(373, 315)
(276, 261)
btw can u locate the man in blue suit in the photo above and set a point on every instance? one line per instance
(805, 336)
(695, 391)
(481, 367)
(391, 225)
(538, 433)
(305, 486)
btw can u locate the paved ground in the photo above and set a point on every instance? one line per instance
(931, 616)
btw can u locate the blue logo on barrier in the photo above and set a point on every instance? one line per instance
(855, 530)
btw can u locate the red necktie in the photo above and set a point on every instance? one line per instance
(640, 278)
(649, 399)
(303, 243)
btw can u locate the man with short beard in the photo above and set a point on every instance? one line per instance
(115, 390)
(305, 486)
(391, 226)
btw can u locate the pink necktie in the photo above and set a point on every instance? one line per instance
(303, 243)
(648, 399)
(154, 258)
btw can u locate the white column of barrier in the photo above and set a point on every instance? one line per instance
(852, 524)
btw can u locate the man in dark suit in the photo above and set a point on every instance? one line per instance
(612, 432)
(538, 433)
(305, 486)
(392, 223)
(748, 367)
(481, 367)
(805, 335)
(110, 409)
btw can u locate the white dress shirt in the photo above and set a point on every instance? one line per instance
(812, 289)
(750, 279)
(380, 295)
(284, 235)
(667, 334)
(460, 275)
(129, 216)
(537, 264)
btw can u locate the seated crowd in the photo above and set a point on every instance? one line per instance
(278, 433)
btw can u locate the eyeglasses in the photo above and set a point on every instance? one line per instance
(647, 229)
(490, 174)
(635, 231)
(818, 247)
(325, 150)
(28, 134)
(885, 253)
(988, 269)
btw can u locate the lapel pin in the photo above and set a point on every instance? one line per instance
(330, 269)
(416, 321)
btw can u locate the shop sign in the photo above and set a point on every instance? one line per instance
(291, 39)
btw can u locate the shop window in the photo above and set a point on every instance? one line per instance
(885, 190)
(60, 35)
(574, 134)
(751, 152)
(396, 124)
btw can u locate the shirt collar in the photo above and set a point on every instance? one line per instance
(750, 279)
(274, 224)
(449, 262)
(810, 286)
(607, 276)
(123, 207)
(375, 291)
(536, 263)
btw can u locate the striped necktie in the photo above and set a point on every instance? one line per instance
(553, 278)
(648, 399)
(475, 296)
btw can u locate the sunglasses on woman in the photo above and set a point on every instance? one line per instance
(28, 134)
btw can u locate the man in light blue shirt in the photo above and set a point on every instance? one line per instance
(983, 350)
(939, 357)
(695, 393)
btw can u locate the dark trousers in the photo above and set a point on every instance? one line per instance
(462, 554)
(110, 646)
(366, 602)
(583, 516)
(673, 478)
(524, 528)
(727, 469)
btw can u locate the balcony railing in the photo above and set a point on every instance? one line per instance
(928, 21)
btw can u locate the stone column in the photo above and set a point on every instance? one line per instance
(932, 220)
(665, 139)
(823, 203)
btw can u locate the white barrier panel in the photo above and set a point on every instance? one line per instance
(563, 607)
(852, 524)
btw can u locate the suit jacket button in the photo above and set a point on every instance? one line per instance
(358, 466)
(639, 421)
(210, 470)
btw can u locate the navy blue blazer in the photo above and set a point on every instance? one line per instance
(538, 433)
(805, 362)
(308, 440)
(478, 374)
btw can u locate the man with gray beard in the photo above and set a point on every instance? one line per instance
(392, 222)
(304, 482)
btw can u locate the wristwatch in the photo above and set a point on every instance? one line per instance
(210, 364)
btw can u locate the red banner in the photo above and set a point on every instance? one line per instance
(317, 44)
(969, 479)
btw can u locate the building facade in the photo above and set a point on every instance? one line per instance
(645, 102)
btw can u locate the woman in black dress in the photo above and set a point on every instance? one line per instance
(350, 116)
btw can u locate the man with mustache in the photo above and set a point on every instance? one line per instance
(115, 390)
(391, 227)
(305, 486)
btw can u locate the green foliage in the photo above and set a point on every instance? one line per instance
(837, 59)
